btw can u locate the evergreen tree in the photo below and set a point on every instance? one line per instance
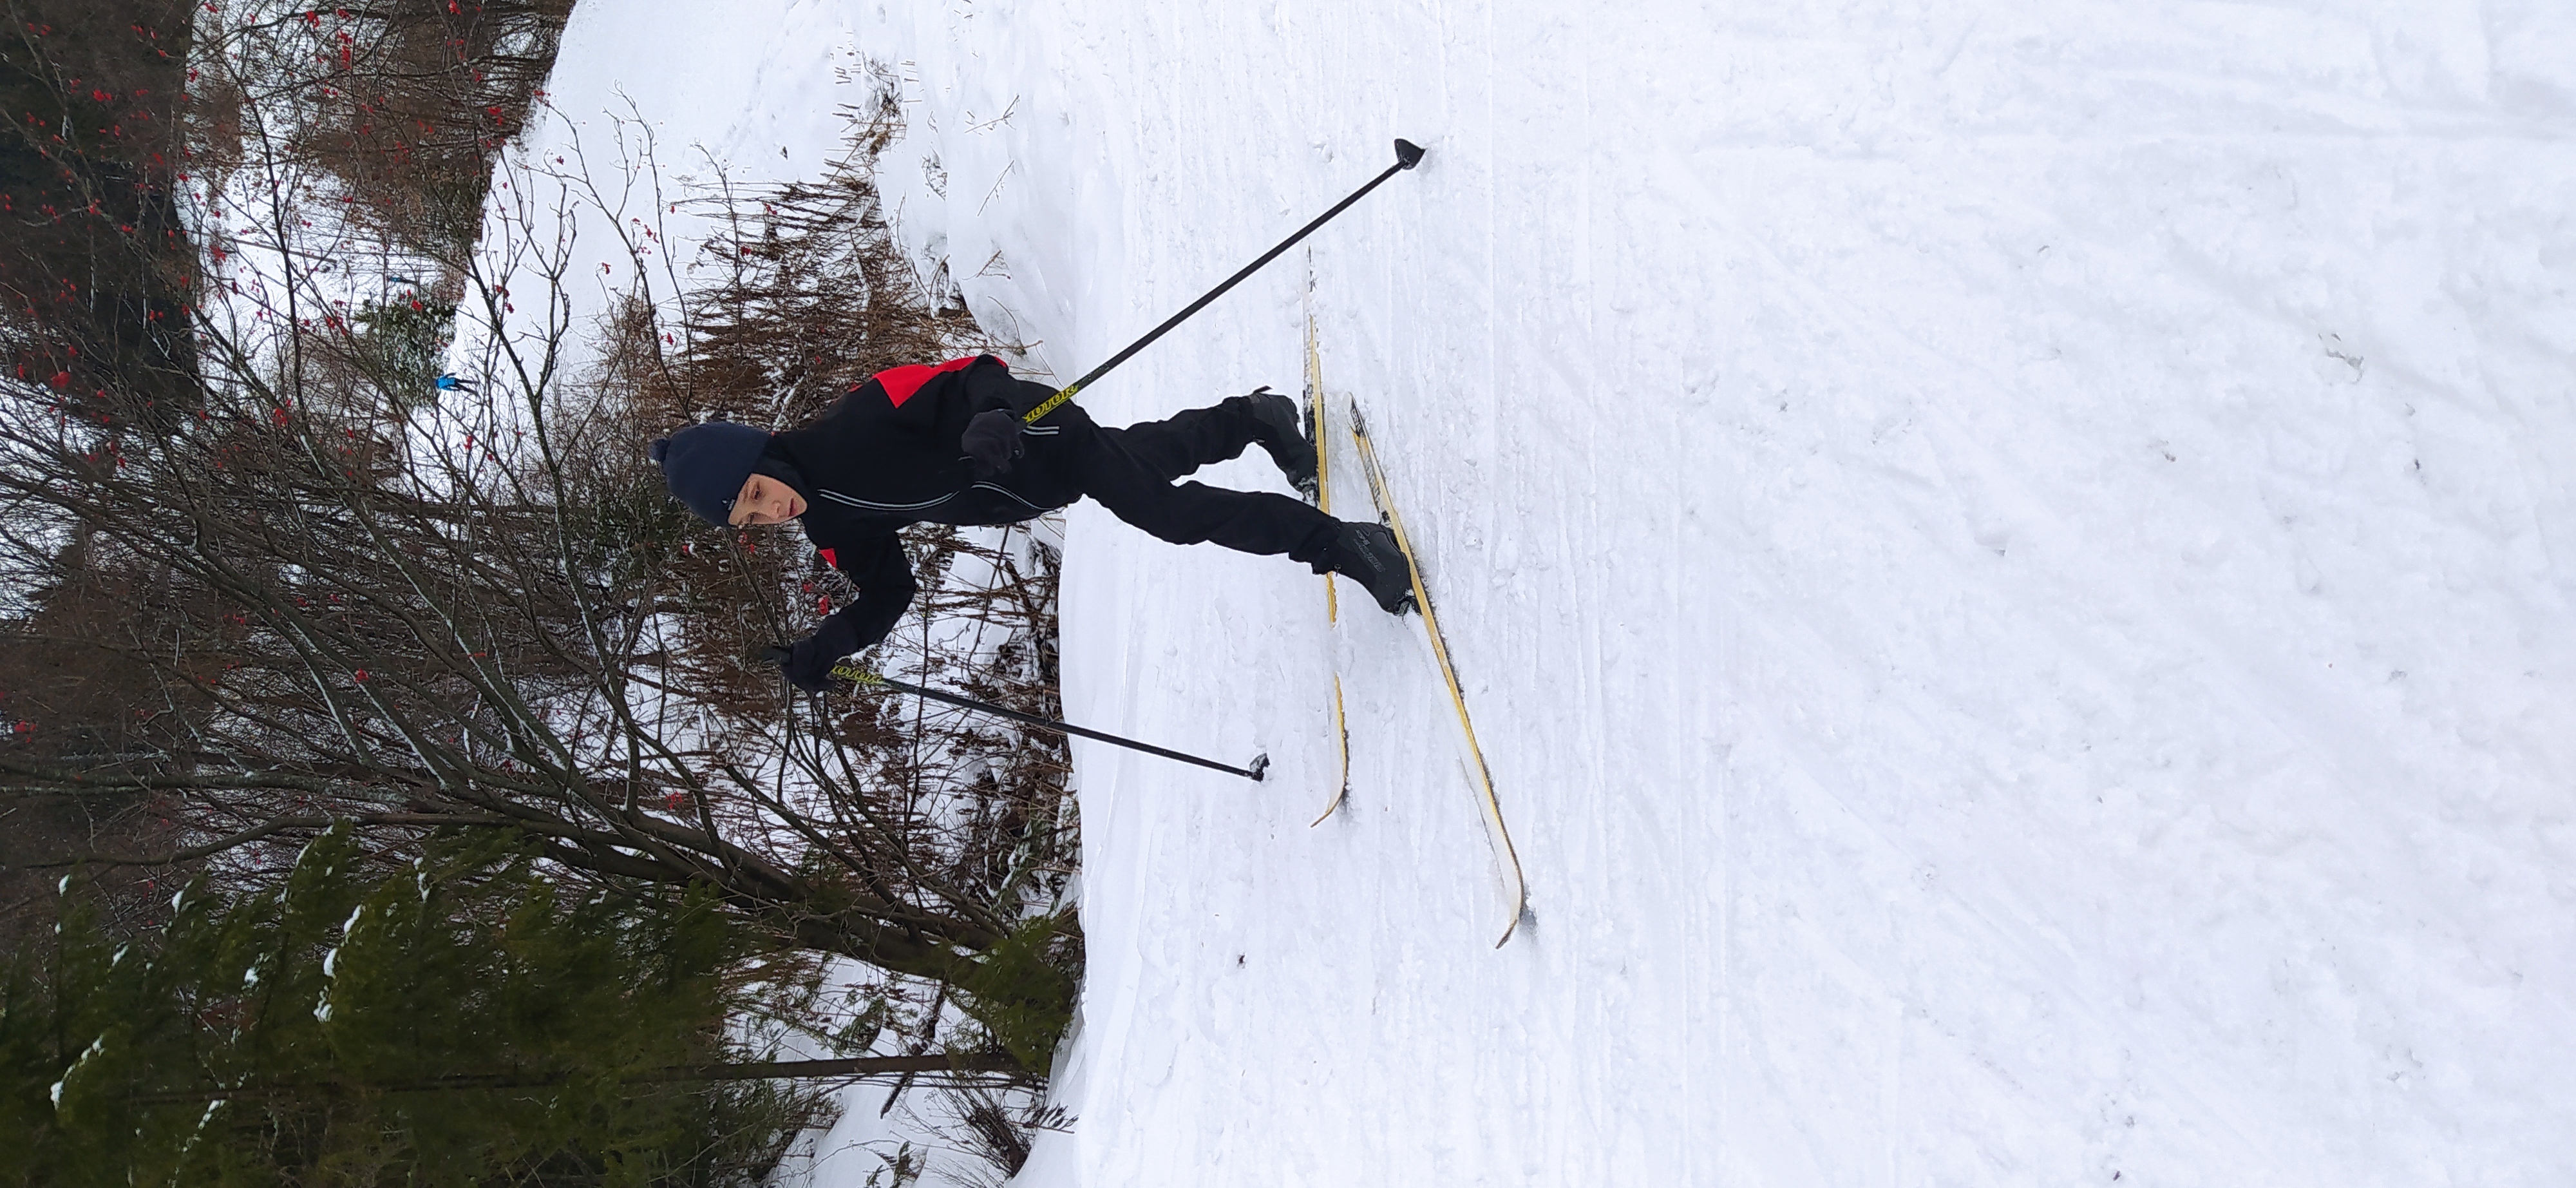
(451, 1020)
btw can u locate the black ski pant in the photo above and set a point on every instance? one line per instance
(1135, 473)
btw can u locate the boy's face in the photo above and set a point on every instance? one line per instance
(765, 500)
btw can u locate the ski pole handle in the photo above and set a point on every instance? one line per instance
(858, 675)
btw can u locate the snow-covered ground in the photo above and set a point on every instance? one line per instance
(2011, 560)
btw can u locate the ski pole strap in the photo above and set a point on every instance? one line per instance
(1048, 405)
(858, 675)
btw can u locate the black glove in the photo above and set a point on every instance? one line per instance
(992, 442)
(809, 663)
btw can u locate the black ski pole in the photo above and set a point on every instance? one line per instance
(1407, 155)
(854, 673)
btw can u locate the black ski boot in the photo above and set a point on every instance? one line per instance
(1366, 553)
(1283, 434)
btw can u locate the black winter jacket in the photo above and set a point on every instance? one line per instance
(887, 456)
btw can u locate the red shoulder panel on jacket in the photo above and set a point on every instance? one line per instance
(901, 382)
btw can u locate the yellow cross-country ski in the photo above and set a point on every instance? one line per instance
(1472, 758)
(1316, 421)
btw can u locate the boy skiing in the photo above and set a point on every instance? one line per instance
(945, 443)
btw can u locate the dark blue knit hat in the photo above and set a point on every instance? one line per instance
(707, 464)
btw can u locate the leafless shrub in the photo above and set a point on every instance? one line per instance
(995, 1127)
(260, 585)
(484, 611)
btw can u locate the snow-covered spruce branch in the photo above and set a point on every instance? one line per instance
(260, 832)
(852, 1068)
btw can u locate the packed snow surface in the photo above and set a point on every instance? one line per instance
(2011, 561)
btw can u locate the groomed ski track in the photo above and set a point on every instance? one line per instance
(2011, 558)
